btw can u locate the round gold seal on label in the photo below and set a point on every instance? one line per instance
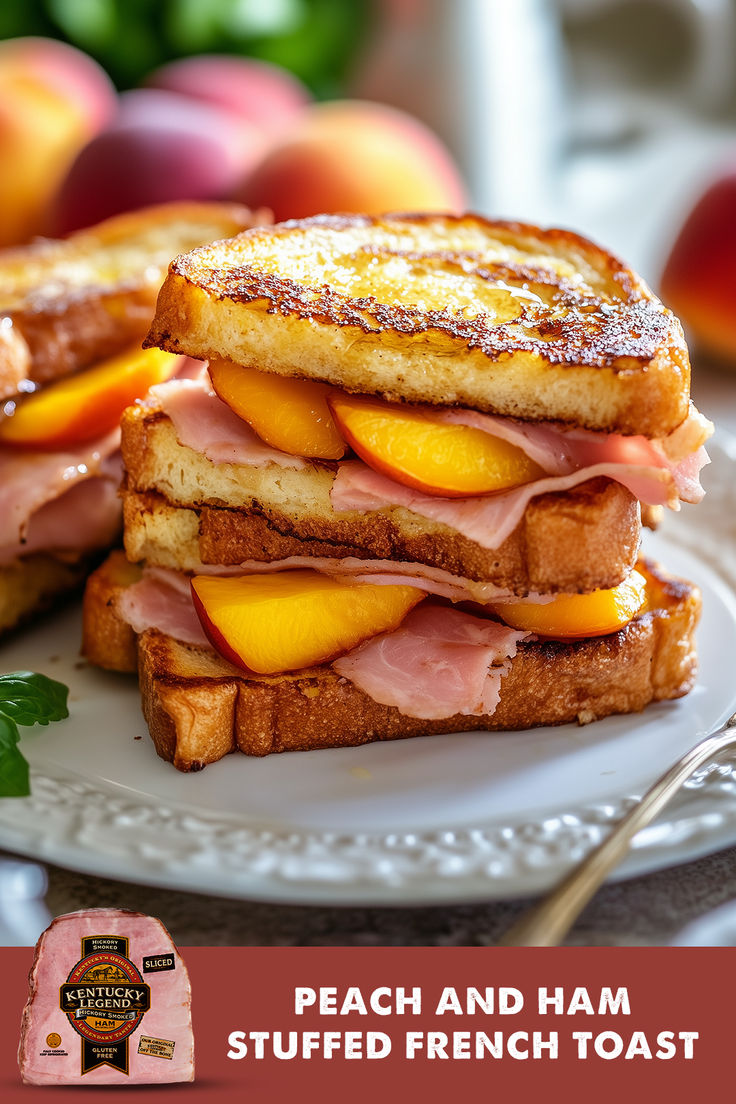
(53, 1040)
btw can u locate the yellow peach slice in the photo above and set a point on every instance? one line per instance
(418, 450)
(578, 615)
(87, 404)
(289, 414)
(293, 619)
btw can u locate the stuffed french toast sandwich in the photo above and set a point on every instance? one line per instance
(405, 494)
(73, 313)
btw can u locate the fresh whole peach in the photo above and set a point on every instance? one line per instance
(160, 147)
(699, 279)
(262, 95)
(157, 107)
(53, 98)
(355, 156)
(72, 75)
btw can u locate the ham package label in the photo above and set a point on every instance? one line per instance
(91, 1017)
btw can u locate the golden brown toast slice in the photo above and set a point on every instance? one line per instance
(65, 304)
(199, 707)
(502, 317)
(576, 540)
(35, 583)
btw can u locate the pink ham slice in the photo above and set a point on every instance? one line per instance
(206, 424)
(84, 518)
(28, 480)
(562, 451)
(439, 662)
(162, 600)
(658, 473)
(44, 1062)
(44, 505)
(491, 519)
(388, 572)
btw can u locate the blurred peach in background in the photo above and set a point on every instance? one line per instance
(614, 116)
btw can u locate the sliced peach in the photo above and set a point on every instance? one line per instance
(290, 414)
(417, 449)
(86, 405)
(273, 623)
(578, 615)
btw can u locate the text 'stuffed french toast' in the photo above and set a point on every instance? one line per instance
(65, 304)
(573, 540)
(199, 707)
(500, 317)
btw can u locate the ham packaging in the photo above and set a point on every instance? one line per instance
(109, 1003)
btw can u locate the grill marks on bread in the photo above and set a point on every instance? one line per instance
(502, 317)
(564, 322)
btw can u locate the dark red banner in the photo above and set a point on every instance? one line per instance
(385, 1024)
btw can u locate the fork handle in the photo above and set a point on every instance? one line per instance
(546, 923)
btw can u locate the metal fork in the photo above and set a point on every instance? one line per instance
(546, 923)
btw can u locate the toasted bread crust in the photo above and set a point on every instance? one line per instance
(107, 640)
(576, 540)
(498, 316)
(199, 707)
(72, 302)
(31, 585)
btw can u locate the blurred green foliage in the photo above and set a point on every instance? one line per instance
(315, 39)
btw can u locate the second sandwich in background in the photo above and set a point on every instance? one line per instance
(73, 313)
(405, 499)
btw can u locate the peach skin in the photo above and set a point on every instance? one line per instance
(160, 148)
(699, 279)
(53, 98)
(353, 156)
(257, 92)
(269, 624)
(418, 450)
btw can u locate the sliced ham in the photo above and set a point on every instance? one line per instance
(489, 520)
(560, 451)
(117, 956)
(162, 600)
(84, 518)
(38, 511)
(207, 425)
(543, 442)
(28, 480)
(657, 472)
(438, 663)
(389, 572)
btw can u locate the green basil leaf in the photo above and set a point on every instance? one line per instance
(32, 699)
(13, 767)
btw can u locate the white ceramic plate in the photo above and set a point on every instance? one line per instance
(448, 818)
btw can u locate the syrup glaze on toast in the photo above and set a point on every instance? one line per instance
(67, 303)
(500, 316)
